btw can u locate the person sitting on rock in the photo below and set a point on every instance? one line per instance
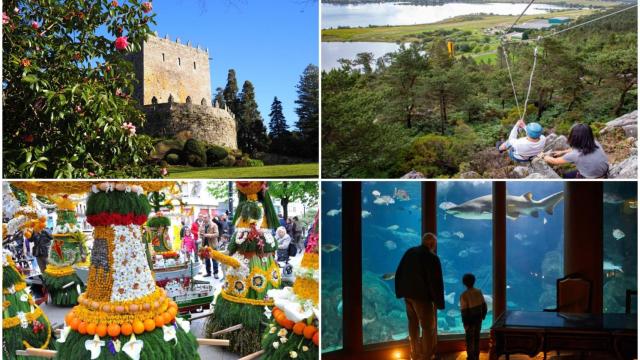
(524, 149)
(585, 152)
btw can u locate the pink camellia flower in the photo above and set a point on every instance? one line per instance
(91, 173)
(121, 43)
(35, 25)
(130, 128)
(164, 172)
(5, 18)
(147, 7)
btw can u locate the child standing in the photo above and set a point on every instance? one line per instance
(473, 309)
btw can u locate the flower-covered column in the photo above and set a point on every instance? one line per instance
(293, 332)
(123, 314)
(158, 228)
(24, 325)
(252, 270)
(68, 248)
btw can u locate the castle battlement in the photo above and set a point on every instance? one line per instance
(167, 39)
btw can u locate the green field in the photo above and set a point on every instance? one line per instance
(413, 33)
(270, 171)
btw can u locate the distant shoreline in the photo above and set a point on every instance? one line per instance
(567, 3)
(409, 33)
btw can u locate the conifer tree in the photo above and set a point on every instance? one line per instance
(230, 92)
(219, 97)
(307, 110)
(252, 134)
(278, 124)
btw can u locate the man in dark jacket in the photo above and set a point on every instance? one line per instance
(419, 281)
(41, 243)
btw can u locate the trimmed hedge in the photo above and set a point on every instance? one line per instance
(195, 153)
(215, 154)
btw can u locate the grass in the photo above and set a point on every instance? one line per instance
(413, 33)
(269, 171)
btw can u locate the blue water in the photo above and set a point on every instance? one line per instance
(620, 213)
(391, 223)
(331, 262)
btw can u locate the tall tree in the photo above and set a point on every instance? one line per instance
(219, 97)
(278, 124)
(307, 109)
(252, 134)
(290, 191)
(230, 92)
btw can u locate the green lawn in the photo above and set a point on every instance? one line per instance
(411, 33)
(270, 171)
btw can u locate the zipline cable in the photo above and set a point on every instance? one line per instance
(587, 22)
(533, 68)
(513, 86)
(520, 16)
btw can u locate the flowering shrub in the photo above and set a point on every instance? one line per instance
(68, 110)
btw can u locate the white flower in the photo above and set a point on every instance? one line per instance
(24, 297)
(127, 189)
(169, 333)
(117, 345)
(184, 324)
(23, 319)
(283, 340)
(12, 289)
(305, 348)
(64, 333)
(267, 312)
(94, 189)
(282, 332)
(276, 345)
(293, 354)
(94, 346)
(272, 330)
(133, 347)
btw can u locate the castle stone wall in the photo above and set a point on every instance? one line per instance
(165, 67)
(212, 125)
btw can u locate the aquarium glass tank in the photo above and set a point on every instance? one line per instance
(620, 241)
(331, 245)
(464, 246)
(535, 243)
(391, 224)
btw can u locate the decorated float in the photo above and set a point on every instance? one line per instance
(123, 314)
(251, 270)
(24, 325)
(294, 329)
(174, 271)
(67, 248)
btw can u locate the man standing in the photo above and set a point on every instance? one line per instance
(296, 229)
(419, 281)
(209, 235)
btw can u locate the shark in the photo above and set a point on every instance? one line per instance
(481, 208)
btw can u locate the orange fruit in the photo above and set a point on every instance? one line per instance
(101, 329)
(113, 330)
(91, 328)
(172, 311)
(159, 321)
(82, 328)
(316, 337)
(309, 331)
(288, 324)
(68, 318)
(126, 329)
(149, 325)
(75, 322)
(298, 328)
(138, 327)
(167, 317)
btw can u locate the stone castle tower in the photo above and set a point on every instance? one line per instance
(174, 89)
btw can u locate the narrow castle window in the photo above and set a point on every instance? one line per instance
(188, 99)
(178, 61)
(170, 99)
(203, 102)
(154, 100)
(194, 65)
(162, 57)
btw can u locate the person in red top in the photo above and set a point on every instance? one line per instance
(194, 229)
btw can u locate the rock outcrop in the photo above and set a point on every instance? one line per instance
(618, 138)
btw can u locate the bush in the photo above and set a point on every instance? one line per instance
(431, 155)
(228, 161)
(215, 154)
(254, 163)
(173, 158)
(195, 153)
